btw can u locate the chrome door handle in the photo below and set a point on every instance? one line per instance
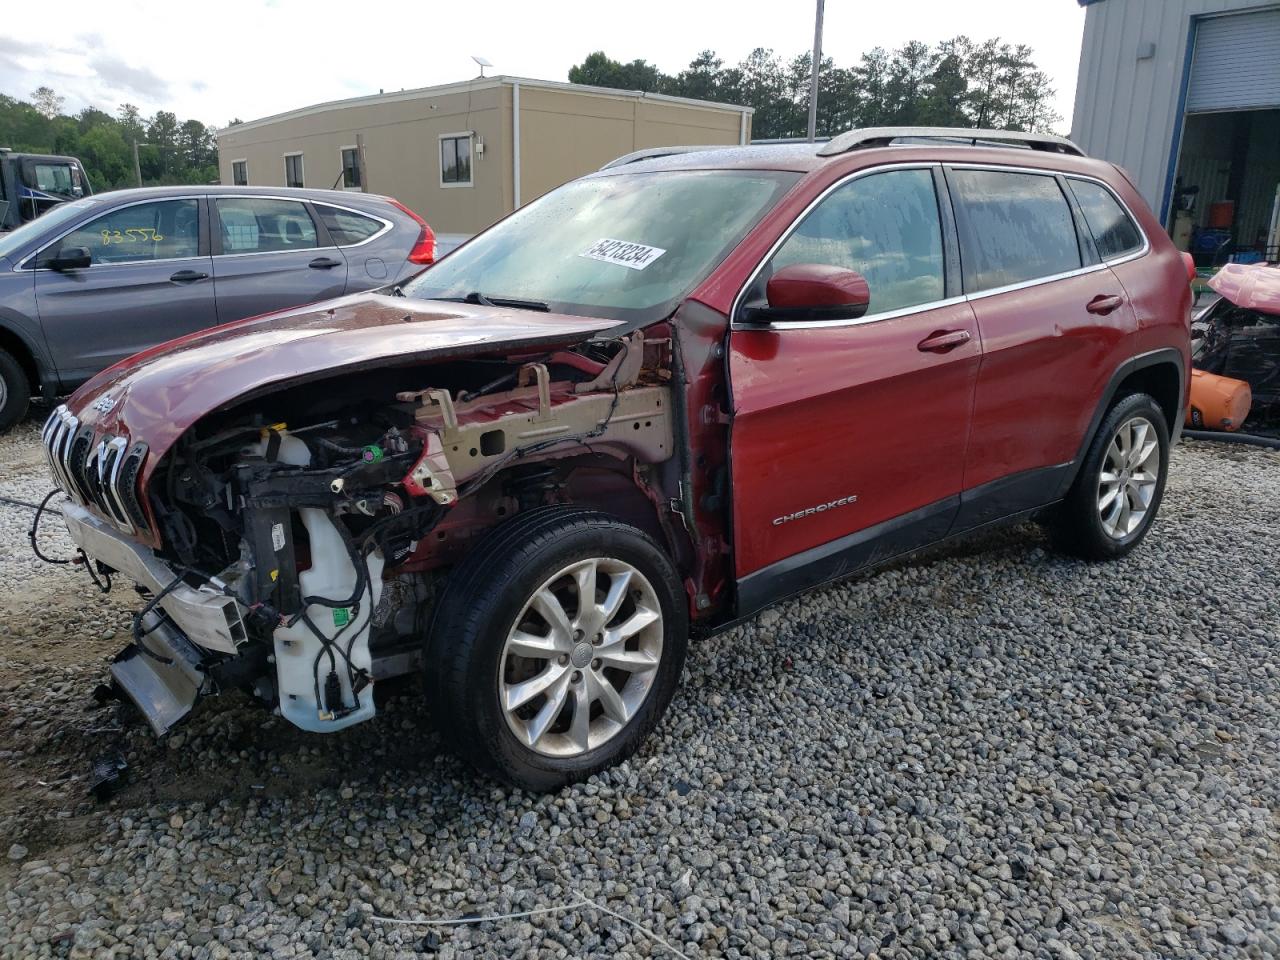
(943, 340)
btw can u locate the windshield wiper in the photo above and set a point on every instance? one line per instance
(479, 299)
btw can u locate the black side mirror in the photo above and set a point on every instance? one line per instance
(72, 258)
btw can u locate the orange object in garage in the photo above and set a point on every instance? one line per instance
(1217, 403)
(1222, 215)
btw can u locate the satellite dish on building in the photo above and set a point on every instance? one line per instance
(483, 62)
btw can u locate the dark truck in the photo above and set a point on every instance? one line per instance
(32, 183)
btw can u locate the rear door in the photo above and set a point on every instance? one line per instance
(849, 436)
(269, 254)
(1053, 320)
(149, 281)
(367, 242)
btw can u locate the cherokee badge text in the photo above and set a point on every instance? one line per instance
(810, 511)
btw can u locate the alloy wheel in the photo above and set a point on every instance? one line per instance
(581, 658)
(1128, 479)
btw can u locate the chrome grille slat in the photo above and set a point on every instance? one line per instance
(115, 458)
(91, 472)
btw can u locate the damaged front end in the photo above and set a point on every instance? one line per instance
(292, 545)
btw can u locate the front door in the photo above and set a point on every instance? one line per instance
(269, 254)
(149, 281)
(848, 437)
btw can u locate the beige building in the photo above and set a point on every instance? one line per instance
(465, 154)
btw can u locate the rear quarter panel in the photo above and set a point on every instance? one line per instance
(1156, 284)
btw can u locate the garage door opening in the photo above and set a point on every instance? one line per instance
(1227, 193)
(1226, 196)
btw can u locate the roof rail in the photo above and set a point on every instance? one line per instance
(959, 136)
(652, 153)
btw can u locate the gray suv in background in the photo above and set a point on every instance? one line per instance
(99, 279)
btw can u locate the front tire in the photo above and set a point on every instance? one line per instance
(1117, 494)
(556, 647)
(15, 391)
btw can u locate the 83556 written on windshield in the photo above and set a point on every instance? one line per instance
(625, 247)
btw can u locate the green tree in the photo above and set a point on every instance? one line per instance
(598, 70)
(48, 103)
(104, 143)
(956, 83)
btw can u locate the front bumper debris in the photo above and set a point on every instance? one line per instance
(165, 685)
(209, 618)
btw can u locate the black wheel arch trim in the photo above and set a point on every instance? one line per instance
(1169, 356)
(47, 381)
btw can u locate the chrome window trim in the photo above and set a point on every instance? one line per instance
(23, 268)
(1122, 258)
(1146, 241)
(735, 324)
(387, 225)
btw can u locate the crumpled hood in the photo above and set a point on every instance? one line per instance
(1254, 286)
(158, 394)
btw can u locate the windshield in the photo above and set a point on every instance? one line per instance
(626, 247)
(60, 178)
(35, 229)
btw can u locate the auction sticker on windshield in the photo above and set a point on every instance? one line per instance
(635, 256)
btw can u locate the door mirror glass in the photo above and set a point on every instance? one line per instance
(811, 291)
(71, 258)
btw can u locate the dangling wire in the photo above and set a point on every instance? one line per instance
(35, 528)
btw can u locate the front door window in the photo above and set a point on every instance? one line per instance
(156, 230)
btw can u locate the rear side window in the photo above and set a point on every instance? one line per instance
(1113, 231)
(346, 227)
(1014, 227)
(886, 227)
(253, 225)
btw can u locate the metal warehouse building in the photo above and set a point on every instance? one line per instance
(1185, 94)
(465, 154)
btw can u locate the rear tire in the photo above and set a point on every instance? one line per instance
(533, 686)
(15, 391)
(1117, 493)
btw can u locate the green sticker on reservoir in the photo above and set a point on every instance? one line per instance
(341, 616)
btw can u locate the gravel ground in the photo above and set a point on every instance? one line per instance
(993, 752)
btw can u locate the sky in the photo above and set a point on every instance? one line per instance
(238, 59)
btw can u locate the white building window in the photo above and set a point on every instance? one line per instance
(293, 175)
(351, 168)
(455, 160)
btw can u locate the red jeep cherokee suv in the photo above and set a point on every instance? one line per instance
(649, 404)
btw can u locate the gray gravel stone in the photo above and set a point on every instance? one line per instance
(992, 752)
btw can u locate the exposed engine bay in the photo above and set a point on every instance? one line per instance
(303, 532)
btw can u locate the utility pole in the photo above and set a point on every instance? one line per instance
(137, 167)
(813, 81)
